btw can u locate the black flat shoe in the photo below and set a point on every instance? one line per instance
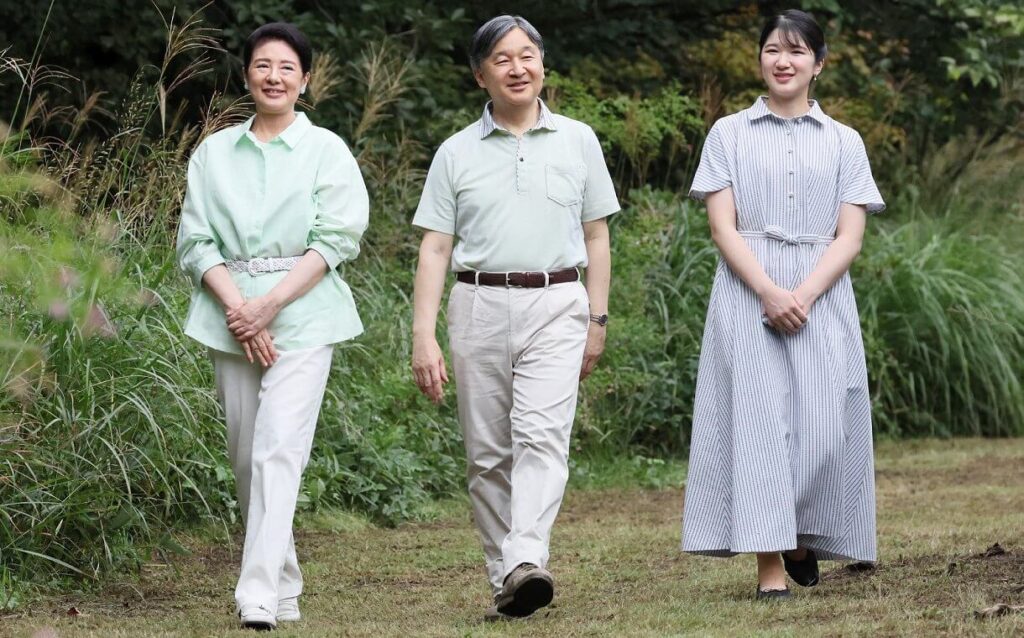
(772, 594)
(803, 572)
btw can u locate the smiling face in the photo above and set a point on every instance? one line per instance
(787, 65)
(513, 73)
(275, 77)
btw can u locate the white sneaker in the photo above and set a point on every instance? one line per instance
(257, 617)
(288, 609)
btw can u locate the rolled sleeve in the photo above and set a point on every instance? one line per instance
(599, 200)
(857, 185)
(197, 246)
(342, 207)
(437, 208)
(713, 172)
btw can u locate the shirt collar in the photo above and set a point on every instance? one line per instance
(759, 109)
(488, 125)
(290, 136)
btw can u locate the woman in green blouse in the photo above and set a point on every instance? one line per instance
(272, 207)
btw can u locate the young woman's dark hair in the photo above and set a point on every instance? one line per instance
(285, 32)
(795, 26)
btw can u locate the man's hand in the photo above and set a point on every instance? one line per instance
(428, 368)
(594, 349)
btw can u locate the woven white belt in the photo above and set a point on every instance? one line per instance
(258, 265)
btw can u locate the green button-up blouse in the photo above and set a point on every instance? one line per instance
(245, 199)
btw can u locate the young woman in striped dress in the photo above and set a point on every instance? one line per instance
(781, 461)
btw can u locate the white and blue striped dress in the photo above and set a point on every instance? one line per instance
(781, 451)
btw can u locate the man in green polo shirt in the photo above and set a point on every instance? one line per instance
(517, 204)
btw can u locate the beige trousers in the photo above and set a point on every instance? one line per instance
(516, 354)
(271, 415)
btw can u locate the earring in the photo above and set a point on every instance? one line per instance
(302, 91)
(814, 79)
(245, 85)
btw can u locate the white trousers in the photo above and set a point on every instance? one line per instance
(516, 354)
(271, 415)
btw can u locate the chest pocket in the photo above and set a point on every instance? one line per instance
(565, 184)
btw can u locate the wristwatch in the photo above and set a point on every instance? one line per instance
(601, 320)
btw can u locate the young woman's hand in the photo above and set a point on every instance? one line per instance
(784, 310)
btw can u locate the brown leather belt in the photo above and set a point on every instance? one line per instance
(518, 279)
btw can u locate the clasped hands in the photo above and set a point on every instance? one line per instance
(787, 310)
(248, 323)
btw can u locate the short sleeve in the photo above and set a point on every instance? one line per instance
(197, 247)
(856, 184)
(436, 210)
(342, 207)
(713, 171)
(599, 198)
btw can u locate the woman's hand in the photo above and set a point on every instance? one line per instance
(428, 368)
(261, 347)
(806, 298)
(783, 309)
(250, 318)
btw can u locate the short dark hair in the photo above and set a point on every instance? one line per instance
(285, 32)
(488, 35)
(795, 25)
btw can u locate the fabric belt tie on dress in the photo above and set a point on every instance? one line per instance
(776, 233)
(518, 279)
(258, 265)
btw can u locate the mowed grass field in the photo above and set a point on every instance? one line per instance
(618, 570)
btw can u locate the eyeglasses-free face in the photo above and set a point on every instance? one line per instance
(513, 74)
(275, 78)
(788, 66)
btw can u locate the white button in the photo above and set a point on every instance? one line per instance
(790, 172)
(789, 132)
(791, 195)
(790, 151)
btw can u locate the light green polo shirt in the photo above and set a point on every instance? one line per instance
(517, 203)
(245, 198)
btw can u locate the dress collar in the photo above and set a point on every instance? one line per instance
(759, 109)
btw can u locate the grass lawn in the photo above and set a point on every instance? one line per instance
(618, 570)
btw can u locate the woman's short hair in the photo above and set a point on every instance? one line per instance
(285, 32)
(492, 31)
(794, 27)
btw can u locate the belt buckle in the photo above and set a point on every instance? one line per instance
(253, 265)
(507, 283)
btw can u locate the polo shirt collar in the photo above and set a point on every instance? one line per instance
(759, 109)
(488, 125)
(290, 136)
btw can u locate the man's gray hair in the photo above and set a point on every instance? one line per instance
(487, 37)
